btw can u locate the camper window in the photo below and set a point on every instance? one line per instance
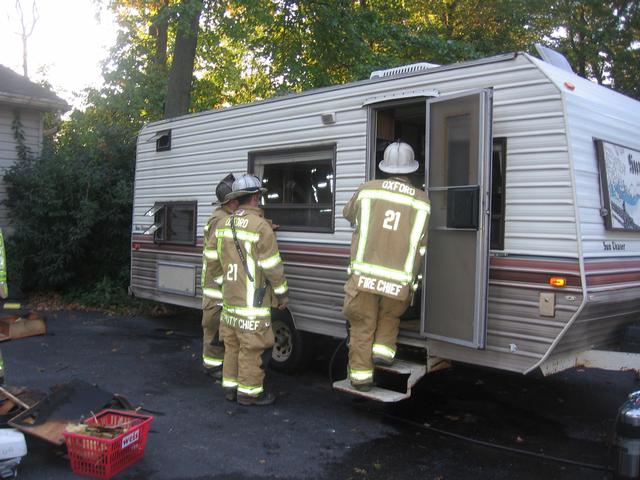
(300, 187)
(497, 193)
(175, 222)
(163, 141)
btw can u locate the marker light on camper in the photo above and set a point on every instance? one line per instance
(569, 86)
(558, 281)
(135, 246)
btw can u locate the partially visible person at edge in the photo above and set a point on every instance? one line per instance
(246, 253)
(387, 247)
(212, 346)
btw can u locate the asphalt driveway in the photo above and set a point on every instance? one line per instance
(313, 432)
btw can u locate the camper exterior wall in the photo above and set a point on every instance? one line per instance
(597, 113)
(612, 276)
(540, 227)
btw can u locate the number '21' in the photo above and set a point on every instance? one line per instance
(391, 220)
(232, 272)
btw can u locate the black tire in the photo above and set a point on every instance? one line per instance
(293, 349)
(631, 339)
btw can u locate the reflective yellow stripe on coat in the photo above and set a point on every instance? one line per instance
(404, 276)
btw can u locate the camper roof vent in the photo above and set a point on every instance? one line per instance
(414, 67)
(554, 58)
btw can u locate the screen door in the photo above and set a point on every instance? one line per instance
(458, 132)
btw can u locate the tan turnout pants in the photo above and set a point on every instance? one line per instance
(374, 322)
(243, 367)
(212, 348)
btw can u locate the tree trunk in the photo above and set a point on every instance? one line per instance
(184, 53)
(158, 31)
(24, 56)
(26, 32)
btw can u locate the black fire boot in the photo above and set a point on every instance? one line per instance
(213, 372)
(230, 394)
(362, 387)
(263, 399)
(383, 361)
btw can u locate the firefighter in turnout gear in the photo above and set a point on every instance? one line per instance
(388, 244)
(212, 346)
(252, 271)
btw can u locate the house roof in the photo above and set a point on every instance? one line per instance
(20, 91)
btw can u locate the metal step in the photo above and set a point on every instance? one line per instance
(376, 393)
(401, 367)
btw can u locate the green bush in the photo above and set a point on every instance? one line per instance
(71, 208)
(107, 294)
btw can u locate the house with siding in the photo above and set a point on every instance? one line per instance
(29, 101)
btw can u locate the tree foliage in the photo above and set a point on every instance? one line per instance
(72, 207)
(601, 40)
(250, 49)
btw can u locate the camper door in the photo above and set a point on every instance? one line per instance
(457, 173)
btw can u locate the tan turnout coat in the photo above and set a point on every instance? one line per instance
(390, 239)
(257, 242)
(211, 289)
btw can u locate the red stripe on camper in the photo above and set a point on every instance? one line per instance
(534, 271)
(311, 254)
(612, 271)
(532, 263)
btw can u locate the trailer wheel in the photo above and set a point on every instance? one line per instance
(631, 338)
(292, 349)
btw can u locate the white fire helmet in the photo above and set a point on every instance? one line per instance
(246, 185)
(398, 158)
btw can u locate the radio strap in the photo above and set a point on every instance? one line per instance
(239, 248)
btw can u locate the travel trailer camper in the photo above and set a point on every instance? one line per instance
(534, 179)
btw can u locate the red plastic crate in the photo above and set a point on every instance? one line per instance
(104, 457)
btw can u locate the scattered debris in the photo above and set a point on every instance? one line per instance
(96, 430)
(14, 400)
(20, 326)
(469, 418)
(68, 403)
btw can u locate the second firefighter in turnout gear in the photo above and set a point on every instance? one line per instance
(212, 346)
(247, 253)
(388, 244)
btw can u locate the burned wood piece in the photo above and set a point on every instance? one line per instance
(68, 403)
(20, 326)
(120, 401)
(14, 400)
(94, 430)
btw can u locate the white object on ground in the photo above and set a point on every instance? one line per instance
(12, 448)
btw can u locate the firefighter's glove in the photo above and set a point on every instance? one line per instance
(283, 302)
